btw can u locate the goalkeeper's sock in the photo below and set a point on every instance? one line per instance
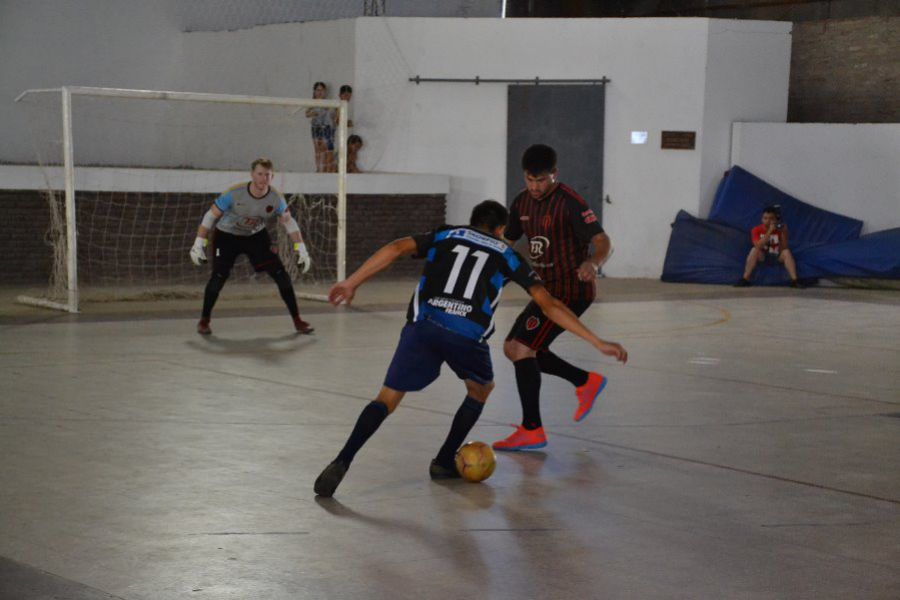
(465, 419)
(369, 421)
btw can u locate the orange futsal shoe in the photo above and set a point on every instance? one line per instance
(587, 394)
(522, 439)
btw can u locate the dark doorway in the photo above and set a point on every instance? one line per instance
(570, 119)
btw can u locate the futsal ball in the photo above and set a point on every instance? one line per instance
(475, 461)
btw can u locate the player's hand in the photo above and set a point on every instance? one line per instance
(586, 271)
(303, 259)
(198, 251)
(341, 292)
(615, 350)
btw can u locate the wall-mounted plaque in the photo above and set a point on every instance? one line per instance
(679, 140)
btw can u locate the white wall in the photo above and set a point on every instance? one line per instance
(850, 169)
(275, 60)
(667, 74)
(746, 80)
(52, 43)
(659, 72)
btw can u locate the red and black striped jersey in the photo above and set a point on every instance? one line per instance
(559, 228)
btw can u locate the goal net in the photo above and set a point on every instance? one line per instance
(127, 175)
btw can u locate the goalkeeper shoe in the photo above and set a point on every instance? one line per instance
(203, 327)
(439, 471)
(330, 479)
(522, 439)
(302, 326)
(587, 394)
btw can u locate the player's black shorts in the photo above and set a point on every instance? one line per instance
(257, 247)
(534, 329)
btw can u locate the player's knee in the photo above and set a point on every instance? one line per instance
(217, 281)
(514, 350)
(479, 391)
(281, 278)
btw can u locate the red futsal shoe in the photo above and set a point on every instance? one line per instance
(587, 394)
(522, 439)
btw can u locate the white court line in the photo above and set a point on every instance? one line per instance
(703, 360)
(826, 371)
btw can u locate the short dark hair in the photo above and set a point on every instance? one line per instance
(353, 139)
(346, 88)
(319, 84)
(489, 215)
(773, 209)
(263, 162)
(539, 159)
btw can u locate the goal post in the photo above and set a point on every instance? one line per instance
(289, 124)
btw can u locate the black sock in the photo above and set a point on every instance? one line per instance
(211, 294)
(554, 365)
(286, 289)
(528, 380)
(463, 422)
(368, 422)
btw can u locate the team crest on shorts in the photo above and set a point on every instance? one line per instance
(532, 323)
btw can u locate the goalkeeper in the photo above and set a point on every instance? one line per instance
(239, 216)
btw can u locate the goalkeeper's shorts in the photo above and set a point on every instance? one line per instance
(257, 247)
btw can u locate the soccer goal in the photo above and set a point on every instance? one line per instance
(127, 175)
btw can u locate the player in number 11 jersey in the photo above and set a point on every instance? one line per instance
(450, 316)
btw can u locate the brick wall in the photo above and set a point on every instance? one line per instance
(845, 71)
(119, 241)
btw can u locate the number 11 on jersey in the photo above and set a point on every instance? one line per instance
(462, 252)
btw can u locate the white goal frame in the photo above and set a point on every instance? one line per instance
(67, 92)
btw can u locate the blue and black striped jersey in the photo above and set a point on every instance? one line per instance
(465, 271)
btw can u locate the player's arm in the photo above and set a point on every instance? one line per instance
(602, 251)
(304, 261)
(198, 250)
(513, 229)
(560, 314)
(343, 291)
(209, 221)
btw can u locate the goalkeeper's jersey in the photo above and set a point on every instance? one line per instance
(465, 271)
(243, 213)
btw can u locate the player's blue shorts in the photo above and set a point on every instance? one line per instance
(425, 346)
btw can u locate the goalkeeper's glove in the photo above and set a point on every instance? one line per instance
(198, 251)
(303, 259)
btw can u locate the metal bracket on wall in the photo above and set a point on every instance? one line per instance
(477, 80)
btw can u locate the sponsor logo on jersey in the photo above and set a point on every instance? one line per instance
(532, 323)
(524, 218)
(589, 216)
(537, 246)
(450, 306)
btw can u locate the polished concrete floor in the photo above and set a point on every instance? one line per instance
(749, 449)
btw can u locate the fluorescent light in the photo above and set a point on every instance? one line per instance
(638, 137)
